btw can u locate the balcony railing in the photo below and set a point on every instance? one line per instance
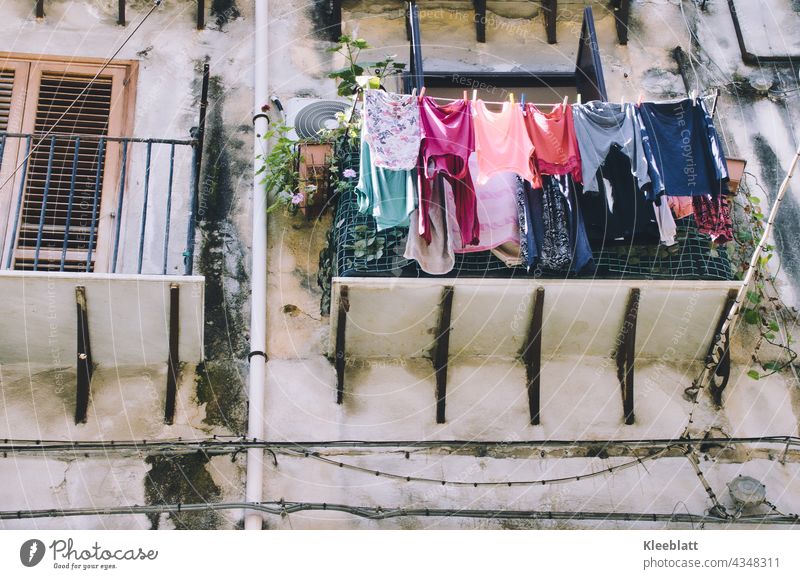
(99, 203)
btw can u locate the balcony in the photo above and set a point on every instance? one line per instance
(641, 306)
(97, 256)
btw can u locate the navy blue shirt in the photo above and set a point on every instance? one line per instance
(683, 149)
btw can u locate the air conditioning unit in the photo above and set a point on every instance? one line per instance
(308, 116)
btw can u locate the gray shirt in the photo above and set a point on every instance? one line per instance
(598, 126)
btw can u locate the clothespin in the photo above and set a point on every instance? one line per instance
(693, 96)
(414, 92)
(511, 97)
(421, 93)
(522, 100)
(639, 100)
(564, 104)
(465, 95)
(622, 101)
(579, 98)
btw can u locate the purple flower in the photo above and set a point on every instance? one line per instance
(297, 198)
(349, 174)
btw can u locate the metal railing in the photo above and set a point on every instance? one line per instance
(59, 183)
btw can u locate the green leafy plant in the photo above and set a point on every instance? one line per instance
(350, 77)
(762, 305)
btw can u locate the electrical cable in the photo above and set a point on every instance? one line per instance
(156, 4)
(228, 444)
(283, 508)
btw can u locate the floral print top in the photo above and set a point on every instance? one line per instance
(393, 131)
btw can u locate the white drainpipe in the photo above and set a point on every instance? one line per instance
(258, 302)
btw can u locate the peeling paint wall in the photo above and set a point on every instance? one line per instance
(392, 398)
(128, 403)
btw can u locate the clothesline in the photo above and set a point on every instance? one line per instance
(446, 99)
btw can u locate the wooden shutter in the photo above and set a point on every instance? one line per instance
(89, 116)
(13, 90)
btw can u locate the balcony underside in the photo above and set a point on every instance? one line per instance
(613, 325)
(129, 318)
(390, 317)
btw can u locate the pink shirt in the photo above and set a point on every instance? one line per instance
(502, 142)
(553, 136)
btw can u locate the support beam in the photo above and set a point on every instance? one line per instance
(722, 368)
(480, 19)
(441, 352)
(201, 14)
(622, 12)
(532, 355)
(550, 8)
(341, 326)
(173, 361)
(85, 366)
(121, 15)
(625, 354)
(39, 8)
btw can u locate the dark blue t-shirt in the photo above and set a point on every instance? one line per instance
(683, 150)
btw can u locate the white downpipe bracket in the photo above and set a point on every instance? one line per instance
(258, 298)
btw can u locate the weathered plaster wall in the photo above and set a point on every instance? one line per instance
(128, 403)
(390, 399)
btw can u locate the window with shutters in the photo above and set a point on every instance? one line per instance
(68, 184)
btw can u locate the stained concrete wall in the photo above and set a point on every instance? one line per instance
(128, 402)
(394, 398)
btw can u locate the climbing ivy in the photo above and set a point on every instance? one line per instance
(762, 307)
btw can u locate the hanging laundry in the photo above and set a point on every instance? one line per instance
(681, 206)
(447, 142)
(497, 212)
(619, 212)
(684, 151)
(598, 126)
(551, 225)
(556, 149)
(502, 143)
(713, 217)
(436, 257)
(393, 129)
(389, 196)
(528, 250)
(579, 241)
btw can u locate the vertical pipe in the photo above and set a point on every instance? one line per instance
(70, 202)
(144, 205)
(43, 211)
(39, 8)
(197, 157)
(13, 242)
(98, 178)
(254, 490)
(121, 17)
(120, 202)
(416, 50)
(169, 206)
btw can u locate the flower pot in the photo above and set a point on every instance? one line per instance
(314, 177)
(735, 173)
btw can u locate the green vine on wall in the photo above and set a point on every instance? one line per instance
(763, 307)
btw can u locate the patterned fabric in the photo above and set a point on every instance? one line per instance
(555, 253)
(527, 243)
(713, 217)
(393, 129)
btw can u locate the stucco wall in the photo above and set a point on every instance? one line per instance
(128, 402)
(390, 399)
